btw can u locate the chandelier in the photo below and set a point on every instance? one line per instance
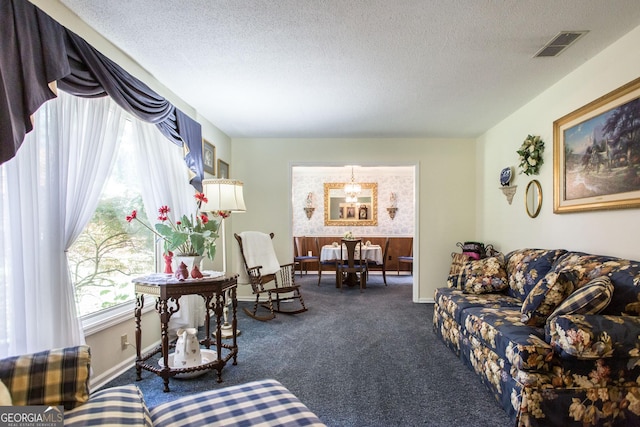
(352, 189)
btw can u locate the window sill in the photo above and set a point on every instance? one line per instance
(107, 318)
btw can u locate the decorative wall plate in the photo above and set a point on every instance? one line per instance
(505, 176)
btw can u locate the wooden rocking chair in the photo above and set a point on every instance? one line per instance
(263, 269)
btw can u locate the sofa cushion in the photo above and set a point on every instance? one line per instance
(624, 274)
(486, 275)
(265, 402)
(454, 301)
(592, 298)
(116, 406)
(502, 331)
(596, 337)
(546, 296)
(525, 267)
(52, 377)
(455, 278)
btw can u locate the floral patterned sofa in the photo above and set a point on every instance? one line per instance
(553, 334)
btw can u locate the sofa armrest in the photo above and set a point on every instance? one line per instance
(52, 377)
(595, 336)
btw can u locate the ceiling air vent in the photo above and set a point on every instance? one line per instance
(559, 43)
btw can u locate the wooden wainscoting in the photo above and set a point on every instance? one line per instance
(398, 246)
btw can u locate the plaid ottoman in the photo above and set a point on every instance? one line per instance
(265, 403)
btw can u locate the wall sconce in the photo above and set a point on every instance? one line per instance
(505, 180)
(309, 206)
(393, 201)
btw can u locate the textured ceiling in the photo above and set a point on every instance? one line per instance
(356, 68)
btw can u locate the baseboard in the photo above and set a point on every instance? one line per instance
(111, 374)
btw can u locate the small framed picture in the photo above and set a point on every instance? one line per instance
(223, 169)
(209, 157)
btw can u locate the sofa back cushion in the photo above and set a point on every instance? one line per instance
(52, 377)
(484, 276)
(624, 274)
(525, 267)
(456, 278)
(592, 298)
(546, 296)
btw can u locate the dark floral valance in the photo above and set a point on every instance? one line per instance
(36, 51)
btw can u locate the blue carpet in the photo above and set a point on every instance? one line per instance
(355, 359)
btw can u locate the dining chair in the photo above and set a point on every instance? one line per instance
(351, 270)
(373, 266)
(330, 264)
(406, 260)
(302, 260)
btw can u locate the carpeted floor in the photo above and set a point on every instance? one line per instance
(354, 359)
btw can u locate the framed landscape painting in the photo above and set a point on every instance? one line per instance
(596, 154)
(209, 157)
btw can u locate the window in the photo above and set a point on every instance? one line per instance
(110, 251)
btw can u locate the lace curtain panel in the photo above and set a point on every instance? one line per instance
(49, 192)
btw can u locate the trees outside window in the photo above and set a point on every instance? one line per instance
(110, 251)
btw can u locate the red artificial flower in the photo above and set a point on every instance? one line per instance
(164, 210)
(204, 218)
(178, 222)
(201, 197)
(133, 216)
(162, 218)
(223, 214)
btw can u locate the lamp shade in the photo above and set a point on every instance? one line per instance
(223, 195)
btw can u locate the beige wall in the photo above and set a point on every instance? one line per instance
(445, 197)
(613, 232)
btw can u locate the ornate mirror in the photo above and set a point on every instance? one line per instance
(337, 211)
(533, 198)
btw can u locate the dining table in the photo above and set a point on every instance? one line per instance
(370, 252)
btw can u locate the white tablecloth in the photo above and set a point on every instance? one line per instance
(371, 252)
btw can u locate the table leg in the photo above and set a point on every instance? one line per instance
(234, 324)
(162, 309)
(218, 310)
(138, 313)
(207, 320)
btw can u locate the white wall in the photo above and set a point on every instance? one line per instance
(446, 193)
(613, 232)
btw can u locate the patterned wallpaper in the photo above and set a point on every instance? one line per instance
(399, 180)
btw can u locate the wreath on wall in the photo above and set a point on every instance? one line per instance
(530, 153)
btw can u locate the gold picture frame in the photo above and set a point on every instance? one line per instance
(338, 212)
(223, 169)
(596, 154)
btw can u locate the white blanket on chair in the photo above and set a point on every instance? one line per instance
(258, 250)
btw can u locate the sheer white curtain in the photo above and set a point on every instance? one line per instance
(165, 181)
(49, 192)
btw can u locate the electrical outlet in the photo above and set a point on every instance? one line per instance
(124, 341)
